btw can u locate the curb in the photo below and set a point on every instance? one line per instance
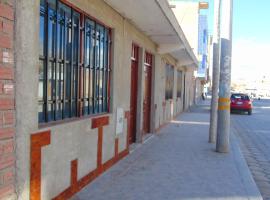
(251, 188)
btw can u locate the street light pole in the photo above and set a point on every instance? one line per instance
(215, 73)
(223, 125)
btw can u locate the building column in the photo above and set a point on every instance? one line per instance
(27, 67)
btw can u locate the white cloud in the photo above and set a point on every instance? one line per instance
(250, 59)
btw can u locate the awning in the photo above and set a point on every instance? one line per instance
(156, 20)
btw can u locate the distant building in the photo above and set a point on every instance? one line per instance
(195, 27)
(203, 47)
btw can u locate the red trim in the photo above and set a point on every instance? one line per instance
(74, 175)
(38, 140)
(99, 149)
(70, 191)
(43, 138)
(99, 122)
(84, 13)
(69, 120)
(116, 146)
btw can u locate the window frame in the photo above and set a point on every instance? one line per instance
(80, 79)
(169, 81)
(179, 86)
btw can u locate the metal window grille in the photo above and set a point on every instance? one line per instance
(74, 68)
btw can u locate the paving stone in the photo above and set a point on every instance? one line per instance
(177, 163)
(254, 135)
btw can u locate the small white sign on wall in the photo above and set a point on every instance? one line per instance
(119, 121)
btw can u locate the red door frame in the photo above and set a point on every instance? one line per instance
(133, 92)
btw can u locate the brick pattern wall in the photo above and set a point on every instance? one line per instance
(7, 108)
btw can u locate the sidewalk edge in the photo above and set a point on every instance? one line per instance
(244, 172)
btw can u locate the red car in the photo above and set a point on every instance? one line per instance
(241, 102)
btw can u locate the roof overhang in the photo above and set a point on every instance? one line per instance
(156, 19)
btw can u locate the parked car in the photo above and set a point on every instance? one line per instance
(241, 102)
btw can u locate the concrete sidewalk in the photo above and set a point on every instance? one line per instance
(177, 163)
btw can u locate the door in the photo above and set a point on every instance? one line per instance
(147, 92)
(133, 93)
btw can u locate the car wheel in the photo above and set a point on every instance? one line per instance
(249, 112)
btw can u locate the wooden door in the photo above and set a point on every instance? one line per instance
(133, 93)
(147, 92)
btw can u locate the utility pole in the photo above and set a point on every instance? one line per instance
(223, 125)
(215, 73)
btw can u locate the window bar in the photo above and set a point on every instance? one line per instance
(64, 66)
(89, 75)
(55, 61)
(104, 69)
(80, 65)
(43, 67)
(61, 87)
(77, 103)
(83, 76)
(77, 67)
(46, 24)
(109, 71)
(71, 66)
(74, 64)
(94, 68)
(44, 72)
(51, 62)
(98, 70)
(59, 53)
(85, 63)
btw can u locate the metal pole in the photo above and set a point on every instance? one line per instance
(223, 125)
(215, 74)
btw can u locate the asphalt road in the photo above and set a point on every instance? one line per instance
(254, 135)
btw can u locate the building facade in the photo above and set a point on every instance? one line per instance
(81, 81)
(7, 104)
(195, 26)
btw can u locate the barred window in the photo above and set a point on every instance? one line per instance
(74, 67)
(169, 81)
(179, 83)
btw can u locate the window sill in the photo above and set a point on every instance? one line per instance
(70, 120)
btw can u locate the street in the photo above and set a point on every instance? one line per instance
(254, 135)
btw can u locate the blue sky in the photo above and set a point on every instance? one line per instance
(251, 38)
(251, 20)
